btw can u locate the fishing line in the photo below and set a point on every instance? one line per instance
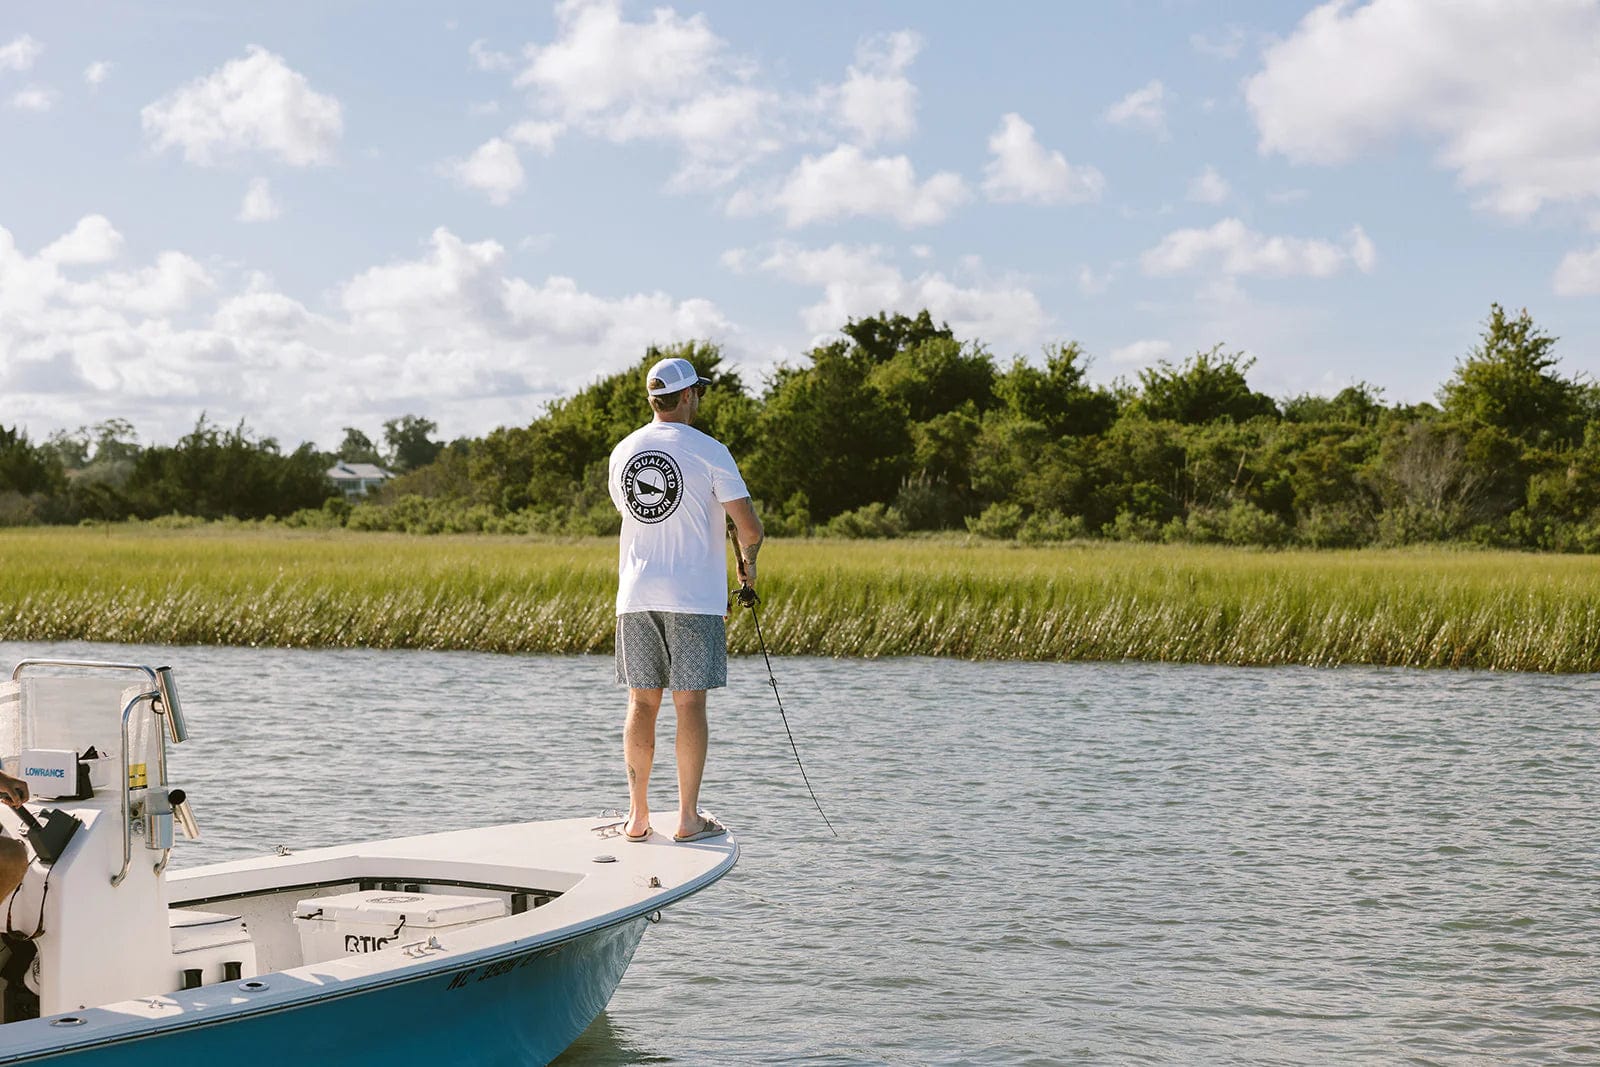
(746, 597)
(773, 681)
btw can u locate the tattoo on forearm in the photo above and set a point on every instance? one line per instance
(749, 551)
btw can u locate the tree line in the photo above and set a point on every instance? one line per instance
(898, 426)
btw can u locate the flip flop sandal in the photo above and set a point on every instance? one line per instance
(712, 828)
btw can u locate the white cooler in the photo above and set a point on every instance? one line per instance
(374, 919)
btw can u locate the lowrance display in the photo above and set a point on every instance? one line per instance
(49, 772)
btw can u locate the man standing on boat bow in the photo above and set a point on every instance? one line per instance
(675, 488)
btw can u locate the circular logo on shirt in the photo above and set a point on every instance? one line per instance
(652, 486)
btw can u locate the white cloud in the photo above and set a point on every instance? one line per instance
(92, 240)
(459, 298)
(537, 135)
(1579, 274)
(494, 169)
(456, 282)
(1022, 170)
(257, 103)
(858, 280)
(166, 288)
(35, 99)
(258, 204)
(1140, 354)
(847, 183)
(1505, 92)
(558, 310)
(262, 312)
(460, 290)
(876, 101)
(706, 124)
(20, 53)
(1363, 253)
(485, 58)
(601, 61)
(448, 334)
(1144, 107)
(1209, 187)
(1232, 249)
(668, 79)
(96, 73)
(1096, 283)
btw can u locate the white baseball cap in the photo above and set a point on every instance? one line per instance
(675, 374)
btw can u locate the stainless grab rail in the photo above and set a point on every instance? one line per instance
(148, 672)
(127, 824)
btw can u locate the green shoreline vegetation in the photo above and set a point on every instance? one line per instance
(900, 428)
(240, 584)
(923, 498)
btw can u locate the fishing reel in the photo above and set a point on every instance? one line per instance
(744, 596)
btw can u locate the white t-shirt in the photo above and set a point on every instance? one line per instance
(669, 482)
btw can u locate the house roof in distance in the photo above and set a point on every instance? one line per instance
(364, 471)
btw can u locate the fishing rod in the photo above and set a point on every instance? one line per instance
(746, 597)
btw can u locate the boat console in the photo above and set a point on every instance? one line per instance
(91, 922)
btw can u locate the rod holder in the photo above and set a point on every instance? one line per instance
(183, 814)
(157, 820)
(177, 727)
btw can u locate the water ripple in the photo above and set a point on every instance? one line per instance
(1039, 863)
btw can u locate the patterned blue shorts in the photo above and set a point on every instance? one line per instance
(666, 650)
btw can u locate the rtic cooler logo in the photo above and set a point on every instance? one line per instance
(652, 485)
(366, 942)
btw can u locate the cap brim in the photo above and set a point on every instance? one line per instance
(679, 388)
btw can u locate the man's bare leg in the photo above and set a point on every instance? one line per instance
(690, 706)
(639, 751)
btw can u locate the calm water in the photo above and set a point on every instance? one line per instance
(1037, 864)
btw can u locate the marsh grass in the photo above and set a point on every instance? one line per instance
(1088, 601)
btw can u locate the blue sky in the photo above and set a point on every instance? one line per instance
(309, 216)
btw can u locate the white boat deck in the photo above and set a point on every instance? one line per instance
(602, 878)
(558, 855)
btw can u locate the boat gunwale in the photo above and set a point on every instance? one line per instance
(328, 883)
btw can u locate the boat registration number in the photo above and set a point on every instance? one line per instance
(486, 971)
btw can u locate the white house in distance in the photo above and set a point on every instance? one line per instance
(357, 479)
